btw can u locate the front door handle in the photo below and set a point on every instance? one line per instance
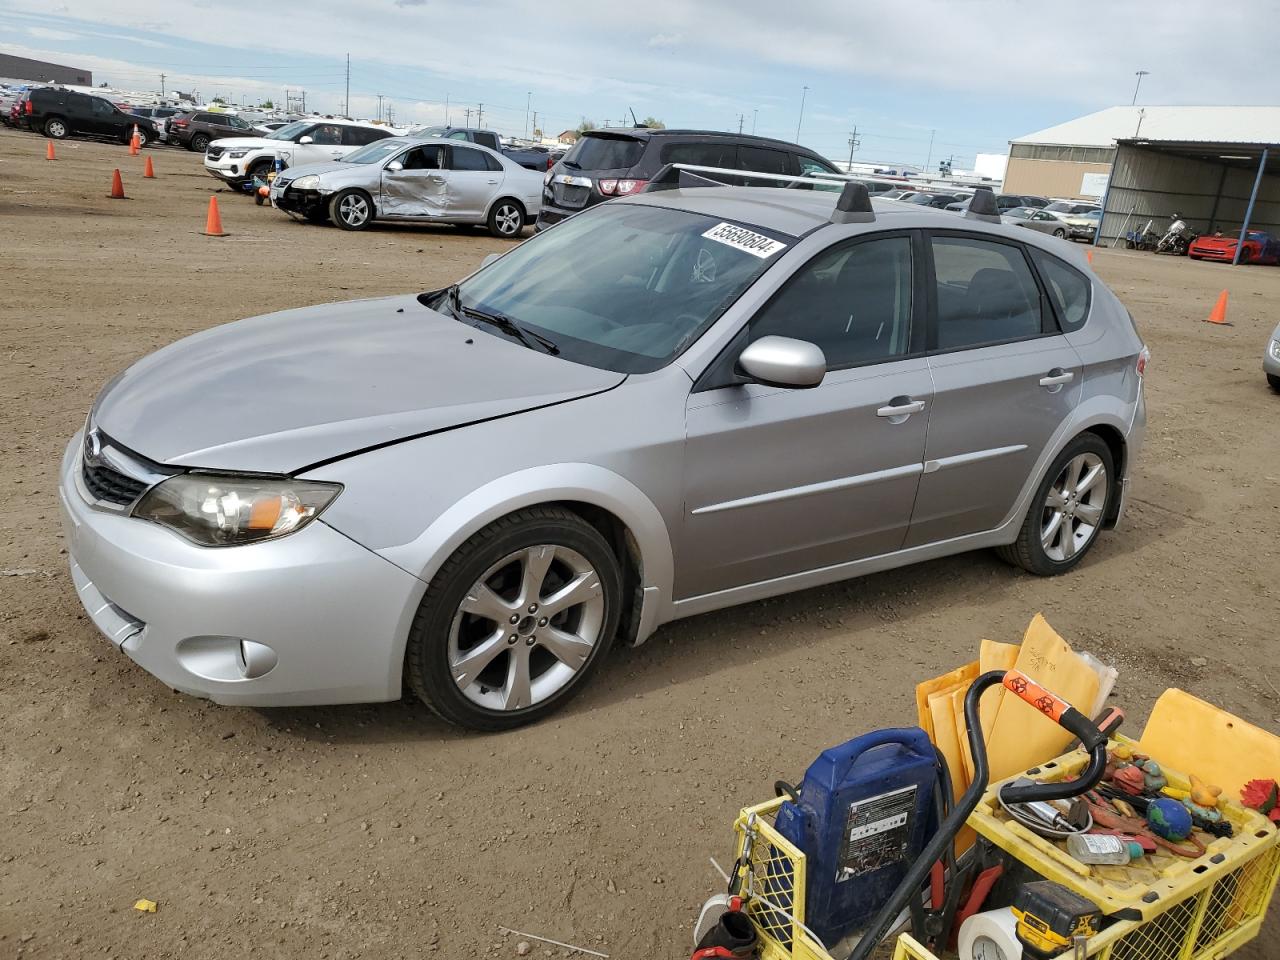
(493, 181)
(436, 178)
(1055, 378)
(899, 408)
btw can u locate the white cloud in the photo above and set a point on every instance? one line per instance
(665, 40)
(44, 33)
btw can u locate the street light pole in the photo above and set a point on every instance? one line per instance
(803, 94)
(754, 114)
(1139, 74)
(528, 102)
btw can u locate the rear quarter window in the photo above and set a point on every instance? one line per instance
(1069, 290)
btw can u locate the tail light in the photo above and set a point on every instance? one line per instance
(178, 123)
(551, 161)
(620, 188)
(29, 109)
(1144, 355)
(607, 187)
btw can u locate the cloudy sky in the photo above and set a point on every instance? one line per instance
(971, 73)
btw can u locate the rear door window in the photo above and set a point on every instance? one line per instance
(762, 160)
(605, 153)
(1068, 289)
(465, 158)
(985, 293)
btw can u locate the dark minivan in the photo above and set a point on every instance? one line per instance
(614, 163)
(59, 113)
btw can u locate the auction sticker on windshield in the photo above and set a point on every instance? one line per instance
(740, 238)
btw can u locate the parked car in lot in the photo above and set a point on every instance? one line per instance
(236, 162)
(604, 164)
(938, 200)
(414, 179)
(672, 403)
(1033, 219)
(159, 117)
(1271, 360)
(1083, 226)
(196, 130)
(9, 97)
(531, 158)
(1004, 201)
(57, 113)
(1259, 247)
(1069, 208)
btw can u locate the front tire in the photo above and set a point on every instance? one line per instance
(516, 622)
(351, 209)
(199, 143)
(56, 128)
(506, 219)
(1274, 382)
(1067, 511)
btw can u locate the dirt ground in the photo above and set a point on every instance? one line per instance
(376, 830)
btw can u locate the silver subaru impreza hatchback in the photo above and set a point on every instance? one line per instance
(671, 403)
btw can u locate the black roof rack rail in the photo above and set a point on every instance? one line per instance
(854, 205)
(983, 206)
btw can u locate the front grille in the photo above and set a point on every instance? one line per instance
(213, 153)
(111, 486)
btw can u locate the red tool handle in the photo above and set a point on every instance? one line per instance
(1054, 707)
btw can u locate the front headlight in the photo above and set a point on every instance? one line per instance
(237, 154)
(1274, 350)
(214, 510)
(307, 183)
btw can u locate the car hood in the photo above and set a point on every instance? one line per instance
(283, 391)
(249, 143)
(328, 166)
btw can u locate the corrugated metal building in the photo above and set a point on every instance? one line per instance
(1216, 166)
(20, 68)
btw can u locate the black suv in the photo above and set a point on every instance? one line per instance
(195, 130)
(58, 113)
(613, 163)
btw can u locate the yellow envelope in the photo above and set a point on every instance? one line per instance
(1021, 736)
(993, 655)
(961, 676)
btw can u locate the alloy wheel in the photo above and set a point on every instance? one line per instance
(354, 209)
(526, 627)
(508, 219)
(1073, 507)
(57, 129)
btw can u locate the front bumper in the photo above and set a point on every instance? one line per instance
(229, 171)
(1271, 356)
(312, 618)
(303, 202)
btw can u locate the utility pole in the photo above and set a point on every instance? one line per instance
(380, 99)
(162, 86)
(928, 159)
(446, 109)
(347, 109)
(741, 120)
(803, 93)
(754, 114)
(853, 145)
(535, 122)
(528, 102)
(468, 117)
(480, 116)
(1139, 74)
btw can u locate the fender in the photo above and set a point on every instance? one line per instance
(582, 482)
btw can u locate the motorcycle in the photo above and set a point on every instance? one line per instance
(1177, 239)
(1144, 239)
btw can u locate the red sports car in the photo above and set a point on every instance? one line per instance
(1259, 247)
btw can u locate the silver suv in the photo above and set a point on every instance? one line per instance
(666, 405)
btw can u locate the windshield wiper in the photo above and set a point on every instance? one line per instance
(534, 341)
(571, 163)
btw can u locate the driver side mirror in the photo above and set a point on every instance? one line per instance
(395, 166)
(305, 140)
(784, 362)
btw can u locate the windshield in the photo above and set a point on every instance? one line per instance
(624, 287)
(1019, 213)
(375, 152)
(428, 131)
(605, 153)
(290, 130)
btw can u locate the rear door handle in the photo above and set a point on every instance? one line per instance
(1057, 377)
(899, 408)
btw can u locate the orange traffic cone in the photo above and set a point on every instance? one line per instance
(148, 171)
(134, 143)
(48, 152)
(213, 223)
(1088, 255)
(1219, 312)
(117, 185)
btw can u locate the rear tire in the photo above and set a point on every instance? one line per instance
(506, 219)
(1060, 233)
(56, 128)
(461, 660)
(1067, 512)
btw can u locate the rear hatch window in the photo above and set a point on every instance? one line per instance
(605, 152)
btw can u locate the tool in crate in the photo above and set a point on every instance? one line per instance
(857, 818)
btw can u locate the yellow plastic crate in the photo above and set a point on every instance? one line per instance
(1204, 909)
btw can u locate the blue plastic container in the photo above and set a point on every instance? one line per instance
(865, 812)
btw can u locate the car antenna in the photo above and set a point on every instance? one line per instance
(983, 206)
(633, 117)
(854, 205)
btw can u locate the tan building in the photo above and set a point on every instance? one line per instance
(1074, 159)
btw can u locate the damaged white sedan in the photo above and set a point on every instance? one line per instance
(415, 180)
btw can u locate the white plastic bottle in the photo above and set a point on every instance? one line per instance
(1101, 849)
